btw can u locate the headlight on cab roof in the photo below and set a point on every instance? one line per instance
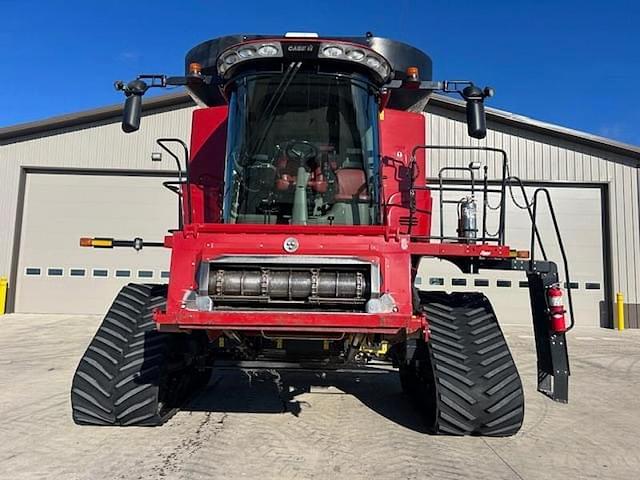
(268, 50)
(235, 55)
(332, 51)
(356, 54)
(246, 52)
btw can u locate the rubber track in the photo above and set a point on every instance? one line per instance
(119, 378)
(476, 384)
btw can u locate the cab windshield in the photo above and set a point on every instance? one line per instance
(302, 149)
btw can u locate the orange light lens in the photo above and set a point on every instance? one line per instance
(522, 254)
(86, 242)
(413, 73)
(195, 68)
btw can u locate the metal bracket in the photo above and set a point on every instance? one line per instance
(551, 347)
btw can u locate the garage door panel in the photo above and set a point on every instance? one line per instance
(61, 208)
(579, 217)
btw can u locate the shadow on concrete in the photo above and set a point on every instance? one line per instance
(277, 391)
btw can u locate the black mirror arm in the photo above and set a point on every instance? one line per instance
(143, 82)
(444, 86)
(473, 96)
(135, 90)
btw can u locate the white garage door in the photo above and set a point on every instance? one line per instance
(580, 219)
(55, 275)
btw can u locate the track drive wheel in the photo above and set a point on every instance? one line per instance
(467, 380)
(131, 374)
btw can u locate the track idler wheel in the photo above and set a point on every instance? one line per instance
(131, 374)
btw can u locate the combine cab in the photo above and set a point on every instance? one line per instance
(304, 213)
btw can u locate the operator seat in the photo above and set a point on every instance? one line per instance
(287, 175)
(351, 199)
(351, 182)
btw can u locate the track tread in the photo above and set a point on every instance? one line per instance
(472, 381)
(122, 378)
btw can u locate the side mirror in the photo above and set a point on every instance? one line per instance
(133, 104)
(476, 118)
(131, 113)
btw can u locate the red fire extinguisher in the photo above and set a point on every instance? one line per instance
(556, 309)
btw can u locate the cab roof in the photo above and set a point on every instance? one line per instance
(399, 55)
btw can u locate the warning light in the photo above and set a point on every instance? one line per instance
(96, 242)
(413, 74)
(102, 242)
(195, 69)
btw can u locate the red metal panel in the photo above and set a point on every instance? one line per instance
(390, 254)
(291, 321)
(460, 250)
(247, 228)
(206, 165)
(399, 132)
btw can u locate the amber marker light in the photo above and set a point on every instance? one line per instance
(96, 242)
(413, 74)
(195, 69)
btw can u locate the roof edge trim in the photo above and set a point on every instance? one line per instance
(531, 124)
(15, 132)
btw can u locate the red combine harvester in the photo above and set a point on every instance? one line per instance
(304, 213)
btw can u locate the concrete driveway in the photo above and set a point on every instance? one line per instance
(282, 425)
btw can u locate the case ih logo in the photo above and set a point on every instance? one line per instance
(300, 48)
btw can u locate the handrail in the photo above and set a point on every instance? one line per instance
(161, 142)
(560, 245)
(503, 153)
(171, 186)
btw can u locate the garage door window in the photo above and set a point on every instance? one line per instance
(100, 273)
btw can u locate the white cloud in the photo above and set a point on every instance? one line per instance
(129, 56)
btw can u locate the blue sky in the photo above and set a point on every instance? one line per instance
(569, 62)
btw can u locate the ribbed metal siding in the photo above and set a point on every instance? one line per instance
(535, 157)
(94, 146)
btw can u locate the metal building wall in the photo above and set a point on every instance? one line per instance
(541, 158)
(99, 145)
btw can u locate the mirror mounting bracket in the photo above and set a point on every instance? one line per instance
(473, 95)
(135, 89)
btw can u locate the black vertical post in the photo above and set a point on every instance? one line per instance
(503, 199)
(484, 204)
